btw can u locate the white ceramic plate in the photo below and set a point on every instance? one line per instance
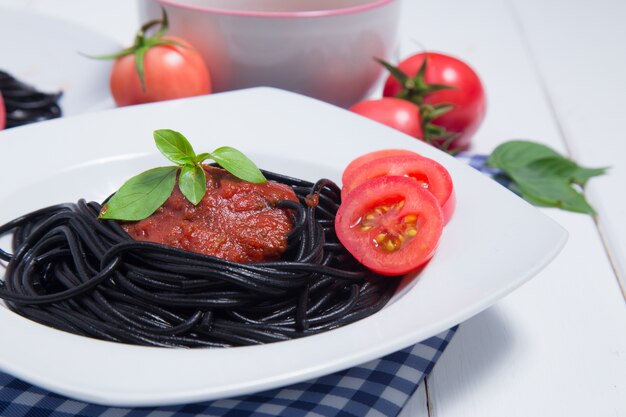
(493, 244)
(45, 53)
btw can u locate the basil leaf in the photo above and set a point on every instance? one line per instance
(581, 175)
(174, 146)
(238, 164)
(141, 195)
(542, 176)
(565, 168)
(541, 188)
(555, 192)
(577, 203)
(519, 153)
(201, 157)
(192, 183)
(535, 200)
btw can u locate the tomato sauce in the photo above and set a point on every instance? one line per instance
(235, 220)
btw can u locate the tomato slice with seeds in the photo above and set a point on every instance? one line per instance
(430, 174)
(390, 224)
(356, 164)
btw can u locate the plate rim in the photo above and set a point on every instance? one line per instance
(85, 393)
(14, 13)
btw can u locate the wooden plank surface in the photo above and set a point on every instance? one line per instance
(557, 346)
(582, 62)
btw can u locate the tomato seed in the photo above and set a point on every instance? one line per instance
(411, 218)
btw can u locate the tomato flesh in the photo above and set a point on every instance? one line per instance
(390, 224)
(170, 72)
(429, 174)
(356, 164)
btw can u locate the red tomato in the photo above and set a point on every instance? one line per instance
(390, 224)
(429, 174)
(393, 112)
(170, 72)
(357, 163)
(467, 95)
(2, 114)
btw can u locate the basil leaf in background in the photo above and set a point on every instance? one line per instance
(192, 183)
(174, 146)
(518, 153)
(141, 195)
(238, 164)
(580, 175)
(565, 168)
(554, 192)
(552, 166)
(542, 176)
(534, 200)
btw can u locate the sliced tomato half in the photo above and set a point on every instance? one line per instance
(430, 174)
(390, 224)
(356, 164)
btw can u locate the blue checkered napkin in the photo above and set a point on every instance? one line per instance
(479, 162)
(378, 388)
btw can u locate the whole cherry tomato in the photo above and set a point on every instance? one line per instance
(393, 112)
(157, 68)
(464, 93)
(171, 70)
(2, 113)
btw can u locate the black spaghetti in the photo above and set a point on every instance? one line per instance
(25, 104)
(77, 273)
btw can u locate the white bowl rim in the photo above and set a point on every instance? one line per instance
(261, 14)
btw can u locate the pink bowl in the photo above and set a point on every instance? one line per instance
(320, 48)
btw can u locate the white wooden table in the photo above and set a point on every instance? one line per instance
(555, 72)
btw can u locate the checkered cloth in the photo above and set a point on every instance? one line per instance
(378, 388)
(479, 162)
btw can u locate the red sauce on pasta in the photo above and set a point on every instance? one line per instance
(235, 220)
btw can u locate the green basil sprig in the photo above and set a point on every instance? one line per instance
(542, 176)
(141, 195)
